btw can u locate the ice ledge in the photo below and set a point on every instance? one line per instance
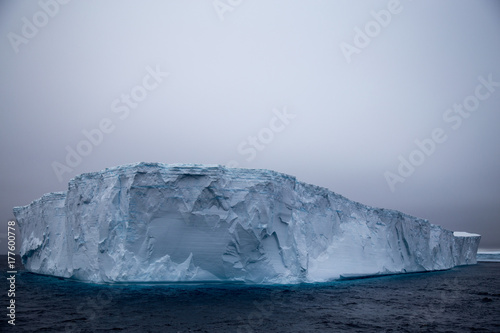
(464, 234)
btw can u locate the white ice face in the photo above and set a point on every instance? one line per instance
(165, 223)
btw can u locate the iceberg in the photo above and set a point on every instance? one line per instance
(153, 222)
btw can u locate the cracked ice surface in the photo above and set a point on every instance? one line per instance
(179, 223)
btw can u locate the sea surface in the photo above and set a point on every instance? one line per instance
(463, 299)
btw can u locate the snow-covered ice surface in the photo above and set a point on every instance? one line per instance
(158, 222)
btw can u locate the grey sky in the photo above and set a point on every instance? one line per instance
(351, 117)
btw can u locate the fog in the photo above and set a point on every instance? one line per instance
(392, 104)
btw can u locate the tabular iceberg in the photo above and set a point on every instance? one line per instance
(150, 222)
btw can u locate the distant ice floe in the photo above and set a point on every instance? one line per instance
(492, 256)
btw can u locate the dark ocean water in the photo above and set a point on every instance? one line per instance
(464, 299)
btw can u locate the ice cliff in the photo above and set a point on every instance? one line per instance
(157, 222)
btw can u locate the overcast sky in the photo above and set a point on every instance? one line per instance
(394, 105)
